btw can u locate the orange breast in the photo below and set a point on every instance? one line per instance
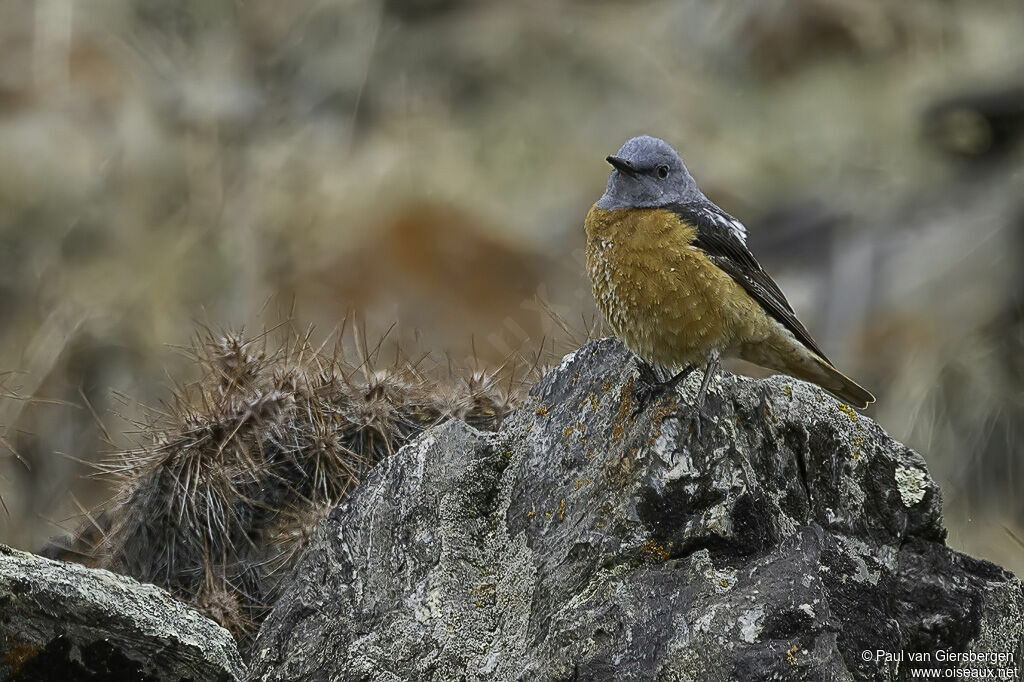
(661, 295)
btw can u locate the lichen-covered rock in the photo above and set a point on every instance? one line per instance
(580, 542)
(61, 622)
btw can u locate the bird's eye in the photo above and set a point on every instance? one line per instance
(662, 172)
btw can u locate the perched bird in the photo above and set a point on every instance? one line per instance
(672, 274)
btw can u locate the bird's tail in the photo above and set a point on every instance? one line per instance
(835, 382)
(786, 354)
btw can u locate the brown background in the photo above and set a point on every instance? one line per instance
(167, 163)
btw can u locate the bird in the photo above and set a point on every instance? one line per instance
(673, 276)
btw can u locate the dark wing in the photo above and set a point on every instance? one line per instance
(722, 238)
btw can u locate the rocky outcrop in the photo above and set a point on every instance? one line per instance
(63, 622)
(782, 541)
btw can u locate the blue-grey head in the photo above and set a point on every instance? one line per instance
(648, 172)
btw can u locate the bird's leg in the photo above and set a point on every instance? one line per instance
(710, 372)
(671, 384)
(652, 389)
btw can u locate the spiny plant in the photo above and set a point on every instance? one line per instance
(230, 476)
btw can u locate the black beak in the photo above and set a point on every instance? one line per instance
(622, 165)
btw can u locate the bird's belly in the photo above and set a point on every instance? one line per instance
(671, 308)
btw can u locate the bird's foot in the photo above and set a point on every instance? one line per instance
(648, 394)
(765, 402)
(648, 376)
(699, 416)
(710, 372)
(652, 390)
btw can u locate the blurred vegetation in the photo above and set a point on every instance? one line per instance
(429, 162)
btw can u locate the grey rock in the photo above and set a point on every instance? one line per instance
(63, 622)
(581, 543)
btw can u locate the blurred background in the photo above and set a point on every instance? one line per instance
(170, 163)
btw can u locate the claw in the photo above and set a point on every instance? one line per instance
(647, 374)
(652, 390)
(647, 395)
(698, 419)
(710, 371)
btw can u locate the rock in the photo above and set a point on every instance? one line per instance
(63, 622)
(788, 538)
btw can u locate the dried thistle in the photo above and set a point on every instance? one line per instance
(231, 476)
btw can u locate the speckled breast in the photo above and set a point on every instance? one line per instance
(660, 293)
